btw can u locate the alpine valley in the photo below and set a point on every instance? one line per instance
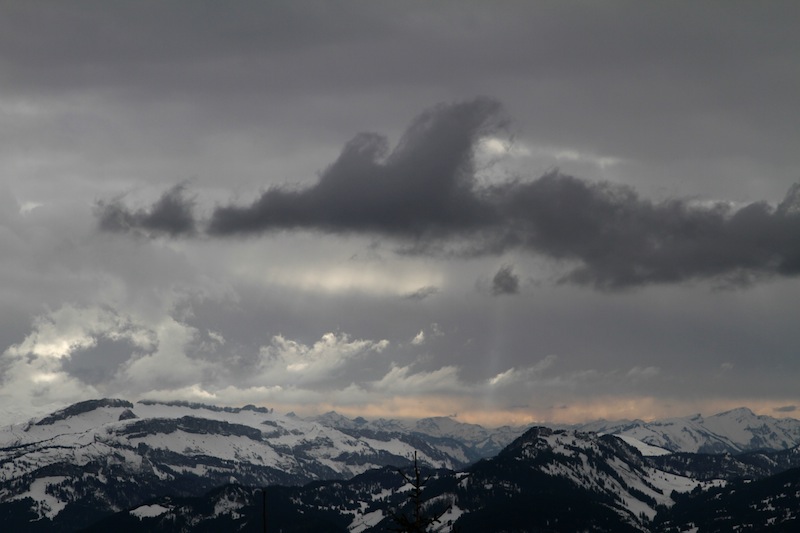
(112, 465)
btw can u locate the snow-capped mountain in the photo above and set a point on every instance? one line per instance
(546, 480)
(69, 469)
(106, 455)
(734, 431)
(615, 474)
(481, 442)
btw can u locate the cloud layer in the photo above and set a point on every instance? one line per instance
(284, 245)
(425, 194)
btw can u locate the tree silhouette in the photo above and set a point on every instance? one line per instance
(419, 521)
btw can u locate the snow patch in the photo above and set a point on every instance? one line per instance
(228, 506)
(149, 511)
(46, 505)
(648, 450)
(366, 521)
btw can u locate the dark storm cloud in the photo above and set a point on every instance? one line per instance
(505, 281)
(623, 240)
(425, 194)
(172, 215)
(424, 186)
(620, 239)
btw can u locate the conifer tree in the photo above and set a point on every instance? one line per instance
(419, 521)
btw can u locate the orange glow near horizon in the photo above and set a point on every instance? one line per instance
(608, 408)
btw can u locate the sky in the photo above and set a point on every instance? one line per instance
(505, 212)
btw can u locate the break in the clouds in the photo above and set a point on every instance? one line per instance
(424, 193)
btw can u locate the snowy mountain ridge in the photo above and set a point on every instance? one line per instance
(484, 442)
(603, 465)
(546, 480)
(735, 431)
(99, 456)
(111, 454)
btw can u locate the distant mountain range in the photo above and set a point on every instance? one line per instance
(154, 465)
(480, 442)
(735, 431)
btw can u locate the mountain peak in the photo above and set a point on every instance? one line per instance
(738, 411)
(83, 407)
(334, 419)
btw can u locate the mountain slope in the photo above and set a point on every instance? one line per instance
(605, 467)
(766, 505)
(747, 466)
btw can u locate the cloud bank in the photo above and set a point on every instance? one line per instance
(424, 193)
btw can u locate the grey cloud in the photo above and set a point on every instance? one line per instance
(172, 215)
(679, 99)
(422, 293)
(622, 240)
(424, 193)
(98, 363)
(719, 83)
(505, 281)
(425, 186)
(785, 409)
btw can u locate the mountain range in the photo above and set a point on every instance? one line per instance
(129, 465)
(735, 431)
(546, 480)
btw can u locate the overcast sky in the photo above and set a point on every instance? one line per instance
(508, 211)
